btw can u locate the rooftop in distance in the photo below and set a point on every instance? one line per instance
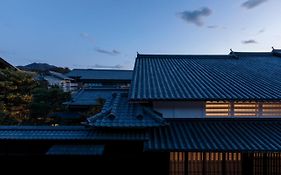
(101, 74)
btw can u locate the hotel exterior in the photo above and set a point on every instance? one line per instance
(183, 114)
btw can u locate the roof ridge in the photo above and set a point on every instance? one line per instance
(159, 54)
(104, 88)
(36, 127)
(156, 116)
(103, 69)
(122, 114)
(204, 55)
(178, 56)
(252, 52)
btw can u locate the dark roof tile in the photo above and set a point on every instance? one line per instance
(217, 135)
(78, 150)
(90, 96)
(237, 76)
(119, 113)
(100, 74)
(73, 133)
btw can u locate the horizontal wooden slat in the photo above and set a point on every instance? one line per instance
(240, 109)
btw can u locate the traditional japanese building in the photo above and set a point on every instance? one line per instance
(223, 110)
(60, 80)
(95, 86)
(86, 98)
(183, 114)
(101, 77)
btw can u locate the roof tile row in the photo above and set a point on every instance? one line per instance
(237, 76)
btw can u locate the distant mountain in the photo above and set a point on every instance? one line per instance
(43, 67)
(37, 67)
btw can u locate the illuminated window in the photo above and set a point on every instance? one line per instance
(177, 163)
(199, 163)
(246, 109)
(271, 109)
(242, 109)
(217, 109)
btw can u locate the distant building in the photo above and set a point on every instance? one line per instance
(86, 98)
(101, 77)
(58, 79)
(183, 114)
(95, 87)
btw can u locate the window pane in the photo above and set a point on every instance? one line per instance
(271, 109)
(245, 109)
(217, 109)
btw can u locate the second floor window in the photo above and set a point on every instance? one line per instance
(245, 109)
(242, 109)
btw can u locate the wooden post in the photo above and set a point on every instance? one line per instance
(223, 164)
(203, 163)
(186, 163)
(247, 163)
(231, 112)
(264, 163)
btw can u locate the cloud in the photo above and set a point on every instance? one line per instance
(87, 37)
(195, 17)
(261, 31)
(107, 52)
(118, 66)
(91, 39)
(251, 41)
(212, 26)
(249, 4)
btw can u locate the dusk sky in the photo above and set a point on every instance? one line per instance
(109, 33)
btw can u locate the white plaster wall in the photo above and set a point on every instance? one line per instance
(174, 109)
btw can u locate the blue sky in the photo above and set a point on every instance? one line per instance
(109, 33)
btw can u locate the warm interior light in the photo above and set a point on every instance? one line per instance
(242, 109)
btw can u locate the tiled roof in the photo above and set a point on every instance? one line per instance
(89, 96)
(119, 113)
(79, 150)
(74, 133)
(65, 115)
(276, 52)
(100, 74)
(237, 76)
(59, 75)
(217, 135)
